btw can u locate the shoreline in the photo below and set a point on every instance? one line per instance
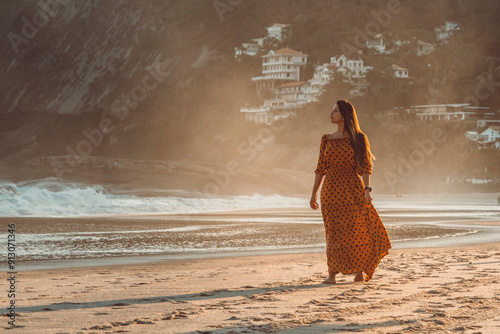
(467, 240)
(422, 234)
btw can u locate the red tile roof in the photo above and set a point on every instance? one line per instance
(288, 52)
(397, 67)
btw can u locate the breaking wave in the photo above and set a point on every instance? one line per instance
(51, 198)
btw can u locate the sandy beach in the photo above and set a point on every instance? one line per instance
(419, 290)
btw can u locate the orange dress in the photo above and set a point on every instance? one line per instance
(356, 239)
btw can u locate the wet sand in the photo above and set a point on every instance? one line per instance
(44, 243)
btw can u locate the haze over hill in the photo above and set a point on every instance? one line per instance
(111, 81)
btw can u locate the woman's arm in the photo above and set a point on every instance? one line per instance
(314, 196)
(366, 182)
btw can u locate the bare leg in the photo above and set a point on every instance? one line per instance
(359, 277)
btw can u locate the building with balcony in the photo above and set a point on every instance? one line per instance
(286, 100)
(294, 94)
(279, 67)
(281, 86)
(444, 112)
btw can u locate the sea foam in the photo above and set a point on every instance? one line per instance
(51, 198)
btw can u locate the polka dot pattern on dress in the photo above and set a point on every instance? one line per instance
(356, 239)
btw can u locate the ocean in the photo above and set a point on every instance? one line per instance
(67, 224)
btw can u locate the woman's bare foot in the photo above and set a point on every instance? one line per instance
(359, 277)
(330, 280)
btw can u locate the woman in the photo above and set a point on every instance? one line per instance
(356, 239)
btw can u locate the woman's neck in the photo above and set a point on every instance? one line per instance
(341, 130)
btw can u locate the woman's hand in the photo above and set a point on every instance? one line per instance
(314, 202)
(368, 196)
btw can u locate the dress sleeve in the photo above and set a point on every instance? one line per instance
(367, 164)
(321, 168)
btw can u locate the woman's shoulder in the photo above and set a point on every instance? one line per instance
(326, 137)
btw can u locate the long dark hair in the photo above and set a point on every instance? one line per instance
(358, 138)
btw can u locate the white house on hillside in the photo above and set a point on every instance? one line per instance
(279, 67)
(443, 33)
(288, 98)
(487, 138)
(281, 85)
(424, 49)
(378, 44)
(322, 76)
(351, 68)
(279, 31)
(472, 135)
(399, 43)
(354, 71)
(249, 49)
(259, 41)
(295, 94)
(400, 72)
(258, 115)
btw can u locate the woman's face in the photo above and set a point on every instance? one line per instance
(335, 115)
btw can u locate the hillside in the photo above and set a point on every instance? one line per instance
(157, 79)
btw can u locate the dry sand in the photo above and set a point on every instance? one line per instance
(433, 290)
